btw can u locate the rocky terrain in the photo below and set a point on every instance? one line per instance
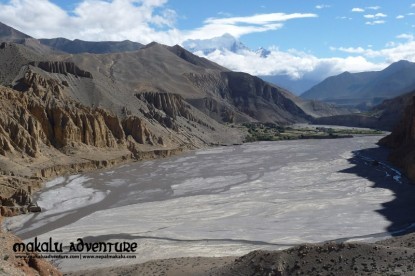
(23, 264)
(395, 256)
(402, 141)
(94, 47)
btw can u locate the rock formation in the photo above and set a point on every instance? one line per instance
(402, 142)
(26, 263)
(40, 119)
(42, 116)
(61, 67)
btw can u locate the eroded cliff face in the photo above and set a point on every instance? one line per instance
(45, 131)
(260, 100)
(61, 67)
(402, 142)
(168, 108)
(39, 123)
(240, 97)
(42, 115)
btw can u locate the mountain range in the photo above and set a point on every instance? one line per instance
(63, 45)
(365, 89)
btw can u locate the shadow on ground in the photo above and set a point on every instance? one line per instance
(372, 164)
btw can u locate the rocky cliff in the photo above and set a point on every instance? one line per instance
(42, 114)
(39, 124)
(166, 108)
(61, 67)
(46, 132)
(402, 142)
(262, 101)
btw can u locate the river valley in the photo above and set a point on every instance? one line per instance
(228, 201)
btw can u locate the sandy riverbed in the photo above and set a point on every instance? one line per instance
(227, 201)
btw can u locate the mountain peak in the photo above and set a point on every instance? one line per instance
(366, 87)
(225, 42)
(403, 61)
(262, 52)
(151, 44)
(400, 64)
(397, 67)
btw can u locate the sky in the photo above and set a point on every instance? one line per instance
(307, 38)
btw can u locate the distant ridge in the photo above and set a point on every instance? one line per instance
(9, 34)
(366, 88)
(94, 47)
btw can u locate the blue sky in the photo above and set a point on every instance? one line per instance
(336, 24)
(321, 37)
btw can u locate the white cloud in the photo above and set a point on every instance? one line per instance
(374, 17)
(378, 15)
(137, 20)
(408, 37)
(322, 6)
(293, 63)
(376, 22)
(413, 5)
(395, 51)
(400, 16)
(238, 26)
(358, 10)
(267, 18)
(351, 50)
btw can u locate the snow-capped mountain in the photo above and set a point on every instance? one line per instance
(262, 52)
(221, 43)
(229, 51)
